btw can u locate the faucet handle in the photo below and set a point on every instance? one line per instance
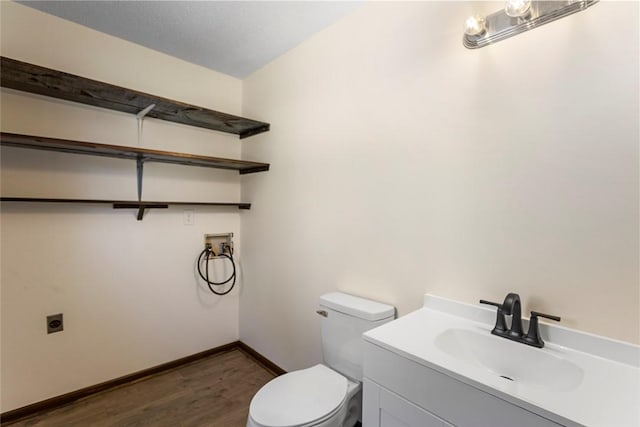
(533, 335)
(546, 316)
(495, 304)
(501, 324)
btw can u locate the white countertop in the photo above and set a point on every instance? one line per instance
(605, 392)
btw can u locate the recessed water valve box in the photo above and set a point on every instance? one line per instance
(54, 323)
(219, 243)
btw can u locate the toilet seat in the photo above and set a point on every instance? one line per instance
(303, 397)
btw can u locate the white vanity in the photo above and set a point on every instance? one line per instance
(440, 366)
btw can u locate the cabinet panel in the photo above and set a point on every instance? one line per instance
(387, 409)
(398, 412)
(370, 403)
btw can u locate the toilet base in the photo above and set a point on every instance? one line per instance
(347, 415)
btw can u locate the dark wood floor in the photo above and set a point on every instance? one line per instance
(212, 392)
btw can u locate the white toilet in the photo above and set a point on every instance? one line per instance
(331, 395)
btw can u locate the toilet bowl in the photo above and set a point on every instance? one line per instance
(316, 396)
(329, 394)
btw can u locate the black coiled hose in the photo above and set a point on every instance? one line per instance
(207, 253)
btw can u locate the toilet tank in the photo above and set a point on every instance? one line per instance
(347, 318)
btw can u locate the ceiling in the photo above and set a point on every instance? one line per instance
(232, 37)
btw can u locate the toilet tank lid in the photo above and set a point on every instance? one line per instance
(357, 306)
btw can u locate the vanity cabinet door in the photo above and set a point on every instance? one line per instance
(387, 409)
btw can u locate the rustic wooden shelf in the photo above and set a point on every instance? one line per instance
(130, 153)
(140, 155)
(57, 84)
(44, 81)
(124, 204)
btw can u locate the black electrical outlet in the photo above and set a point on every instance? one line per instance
(54, 323)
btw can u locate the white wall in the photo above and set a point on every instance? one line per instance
(127, 288)
(403, 163)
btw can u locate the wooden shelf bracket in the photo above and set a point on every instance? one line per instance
(139, 166)
(144, 112)
(141, 206)
(140, 118)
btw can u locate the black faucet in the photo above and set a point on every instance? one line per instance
(513, 307)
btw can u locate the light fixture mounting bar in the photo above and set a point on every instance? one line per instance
(500, 26)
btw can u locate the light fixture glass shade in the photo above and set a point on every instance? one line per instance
(474, 25)
(517, 8)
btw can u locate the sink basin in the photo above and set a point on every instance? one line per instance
(512, 361)
(559, 382)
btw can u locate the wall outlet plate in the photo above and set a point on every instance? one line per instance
(189, 217)
(55, 323)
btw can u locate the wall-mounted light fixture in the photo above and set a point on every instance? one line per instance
(517, 17)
